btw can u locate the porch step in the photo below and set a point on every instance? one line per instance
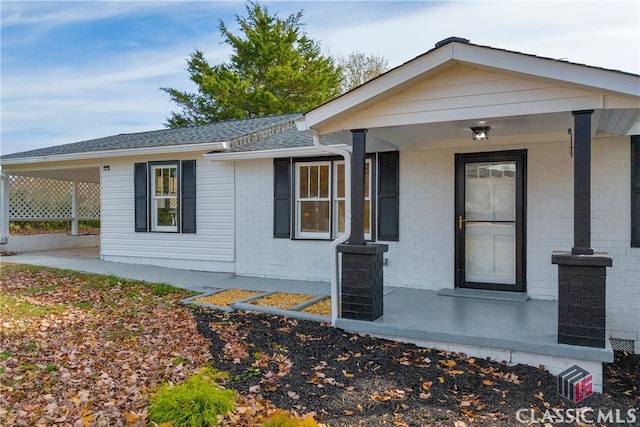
(487, 295)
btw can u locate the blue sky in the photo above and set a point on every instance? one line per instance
(79, 70)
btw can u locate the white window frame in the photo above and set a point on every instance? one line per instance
(367, 197)
(332, 198)
(154, 198)
(299, 200)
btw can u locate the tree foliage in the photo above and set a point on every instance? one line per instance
(359, 68)
(275, 68)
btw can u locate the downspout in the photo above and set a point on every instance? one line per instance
(4, 208)
(335, 272)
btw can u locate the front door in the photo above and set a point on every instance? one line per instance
(490, 220)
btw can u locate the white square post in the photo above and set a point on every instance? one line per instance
(4, 208)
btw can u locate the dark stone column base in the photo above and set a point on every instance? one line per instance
(582, 298)
(362, 281)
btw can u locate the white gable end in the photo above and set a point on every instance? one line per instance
(466, 93)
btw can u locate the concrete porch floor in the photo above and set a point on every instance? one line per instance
(517, 331)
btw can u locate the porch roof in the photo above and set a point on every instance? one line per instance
(439, 95)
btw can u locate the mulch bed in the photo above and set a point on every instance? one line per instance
(351, 380)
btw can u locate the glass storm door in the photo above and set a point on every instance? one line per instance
(490, 220)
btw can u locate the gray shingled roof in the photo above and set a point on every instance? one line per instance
(241, 130)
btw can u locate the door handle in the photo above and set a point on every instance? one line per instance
(460, 222)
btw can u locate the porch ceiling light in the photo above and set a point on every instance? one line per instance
(480, 133)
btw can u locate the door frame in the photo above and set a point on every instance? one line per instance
(520, 157)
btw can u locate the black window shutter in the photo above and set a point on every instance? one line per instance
(389, 196)
(282, 198)
(635, 191)
(188, 196)
(140, 194)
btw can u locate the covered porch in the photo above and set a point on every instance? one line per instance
(490, 118)
(480, 324)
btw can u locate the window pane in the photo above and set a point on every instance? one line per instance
(367, 183)
(367, 216)
(158, 182)
(313, 182)
(173, 181)
(314, 217)
(166, 215)
(340, 178)
(165, 182)
(324, 181)
(341, 215)
(304, 181)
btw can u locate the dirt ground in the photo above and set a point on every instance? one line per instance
(351, 380)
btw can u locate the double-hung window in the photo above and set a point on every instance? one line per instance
(313, 200)
(309, 197)
(320, 199)
(164, 197)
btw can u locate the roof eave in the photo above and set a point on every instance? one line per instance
(103, 154)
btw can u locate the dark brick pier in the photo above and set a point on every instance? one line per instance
(582, 298)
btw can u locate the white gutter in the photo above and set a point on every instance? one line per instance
(335, 272)
(265, 154)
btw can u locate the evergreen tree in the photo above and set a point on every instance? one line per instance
(275, 68)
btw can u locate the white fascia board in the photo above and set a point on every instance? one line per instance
(390, 81)
(267, 154)
(537, 67)
(147, 151)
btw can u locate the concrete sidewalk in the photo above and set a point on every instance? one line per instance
(86, 260)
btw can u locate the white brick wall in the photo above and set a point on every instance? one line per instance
(423, 258)
(257, 252)
(611, 225)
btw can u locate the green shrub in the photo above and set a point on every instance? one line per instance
(283, 419)
(195, 403)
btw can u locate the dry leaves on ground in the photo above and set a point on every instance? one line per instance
(283, 300)
(88, 350)
(225, 298)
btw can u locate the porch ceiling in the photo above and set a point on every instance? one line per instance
(504, 130)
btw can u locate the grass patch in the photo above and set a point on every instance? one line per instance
(196, 402)
(162, 289)
(16, 308)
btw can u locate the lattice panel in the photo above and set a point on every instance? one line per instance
(619, 344)
(40, 199)
(88, 200)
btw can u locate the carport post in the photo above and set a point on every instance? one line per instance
(74, 208)
(4, 209)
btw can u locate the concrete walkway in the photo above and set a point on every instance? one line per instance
(87, 260)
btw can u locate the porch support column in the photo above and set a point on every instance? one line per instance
(4, 209)
(362, 263)
(582, 274)
(359, 141)
(74, 208)
(582, 183)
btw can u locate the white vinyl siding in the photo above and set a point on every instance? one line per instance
(211, 248)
